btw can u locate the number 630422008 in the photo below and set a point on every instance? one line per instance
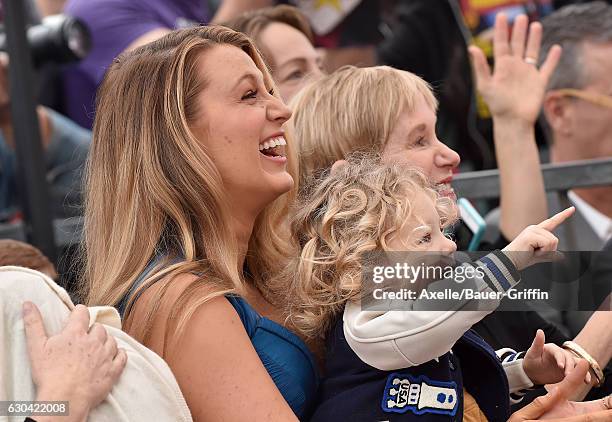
(33, 408)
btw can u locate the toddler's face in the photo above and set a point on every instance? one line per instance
(423, 232)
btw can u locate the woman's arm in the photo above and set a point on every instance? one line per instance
(514, 94)
(596, 339)
(213, 360)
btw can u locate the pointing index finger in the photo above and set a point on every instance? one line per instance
(556, 220)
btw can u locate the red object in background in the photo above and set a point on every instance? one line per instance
(331, 40)
(16, 218)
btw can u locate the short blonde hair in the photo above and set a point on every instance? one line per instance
(353, 109)
(338, 219)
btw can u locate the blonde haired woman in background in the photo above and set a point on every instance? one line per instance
(187, 184)
(393, 112)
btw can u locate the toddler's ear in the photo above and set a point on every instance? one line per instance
(336, 166)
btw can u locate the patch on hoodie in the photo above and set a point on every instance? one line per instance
(419, 395)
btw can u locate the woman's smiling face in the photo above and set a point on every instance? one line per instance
(413, 141)
(240, 122)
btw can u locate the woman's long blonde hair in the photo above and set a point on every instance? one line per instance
(351, 110)
(152, 191)
(338, 219)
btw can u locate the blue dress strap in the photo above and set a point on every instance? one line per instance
(135, 290)
(122, 305)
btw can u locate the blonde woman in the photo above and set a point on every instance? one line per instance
(187, 185)
(393, 112)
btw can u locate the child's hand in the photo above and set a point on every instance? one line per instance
(548, 363)
(536, 243)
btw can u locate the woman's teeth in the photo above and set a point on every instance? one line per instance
(274, 142)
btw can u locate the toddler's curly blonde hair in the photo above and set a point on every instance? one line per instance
(339, 217)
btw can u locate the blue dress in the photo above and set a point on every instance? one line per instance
(284, 355)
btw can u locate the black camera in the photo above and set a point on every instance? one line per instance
(57, 39)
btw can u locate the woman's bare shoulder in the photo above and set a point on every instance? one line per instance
(204, 356)
(166, 300)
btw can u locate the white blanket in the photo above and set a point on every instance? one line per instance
(147, 389)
